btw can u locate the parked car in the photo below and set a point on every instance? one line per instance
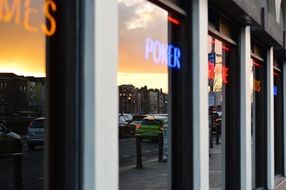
(10, 142)
(137, 119)
(36, 131)
(125, 127)
(150, 127)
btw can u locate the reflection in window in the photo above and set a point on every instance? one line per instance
(24, 26)
(218, 74)
(145, 55)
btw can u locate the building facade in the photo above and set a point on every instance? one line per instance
(224, 57)
(21, 95)
(230, 52)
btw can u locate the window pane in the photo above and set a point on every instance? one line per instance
(146, 54)
(24, 26)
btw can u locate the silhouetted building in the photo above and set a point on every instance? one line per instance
(36, 95)
(19, 94)
(13, 93)
(141, 101)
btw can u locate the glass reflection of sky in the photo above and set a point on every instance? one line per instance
(23, 52)
(139, 19)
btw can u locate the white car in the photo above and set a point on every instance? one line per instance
(36, 131)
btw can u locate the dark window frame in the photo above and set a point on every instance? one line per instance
(261, 104)
(64, 58)
(232, 101)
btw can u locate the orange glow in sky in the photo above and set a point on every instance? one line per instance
(21, 51)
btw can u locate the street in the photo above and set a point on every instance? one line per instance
(33, 163)
(127, 151)
(32, 170)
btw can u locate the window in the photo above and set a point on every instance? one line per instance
(25, 27)
(148, 53)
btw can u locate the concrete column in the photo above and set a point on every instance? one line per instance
(284, 113)
(270, 120)
(200, 93)
(100, 161)
(245, 109)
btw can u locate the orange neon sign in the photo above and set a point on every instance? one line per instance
(21, 11)
(211, 73)
(257, 85)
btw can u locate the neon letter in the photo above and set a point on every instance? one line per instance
(28, 11)
(10, 11)
(148, 48)
(170, 55)
(177, 56)
(211, 71)
(224, 74)
(156, 58)
(52, 20)
(164, 51)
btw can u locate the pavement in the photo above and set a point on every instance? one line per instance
(154, 174)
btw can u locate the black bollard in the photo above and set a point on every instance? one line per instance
(211, 139)
(160, 148)
(18, 171)
(217, 135)
(138, 151)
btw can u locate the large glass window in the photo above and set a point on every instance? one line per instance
(258, 115)
(24, 27)
(147, 52)
(224, 82)
(218, 78)
(278, 117)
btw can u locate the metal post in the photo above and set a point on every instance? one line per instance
(211, 138)
(270, 121)
(138, 151)
(245, 110)
(217, 134)
(160, 148)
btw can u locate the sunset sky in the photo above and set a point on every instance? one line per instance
(23, 52)
(139, 20)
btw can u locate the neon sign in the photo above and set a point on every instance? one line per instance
(22, 12)
(256, 85)
(211, 68)
(161, 53)
(275, 90)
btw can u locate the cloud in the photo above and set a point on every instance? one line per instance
(137, 21)
(138, 14)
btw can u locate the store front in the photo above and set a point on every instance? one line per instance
(192, 88)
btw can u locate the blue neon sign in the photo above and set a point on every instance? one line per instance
(161, 53)
(275, 90)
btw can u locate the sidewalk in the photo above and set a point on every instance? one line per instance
(153, 176)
